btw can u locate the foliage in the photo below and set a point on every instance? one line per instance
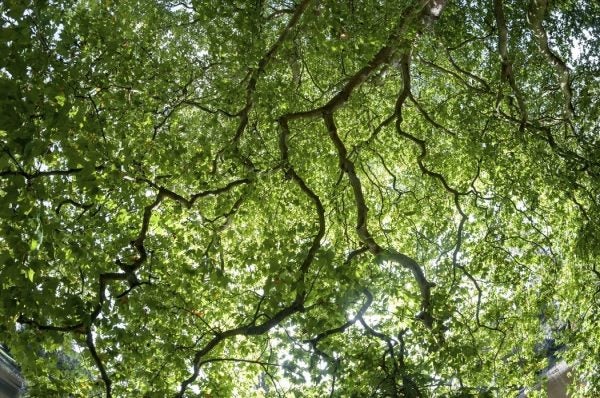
(309, 198)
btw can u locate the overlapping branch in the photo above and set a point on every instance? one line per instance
(397, 359)
(257, 325)
(327, 111)
(252, 328)
(405, 93)
(129, 272)
(262, 65)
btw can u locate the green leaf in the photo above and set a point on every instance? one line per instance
(192, 197)
(30, 274)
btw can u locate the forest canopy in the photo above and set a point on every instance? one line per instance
(300, 198)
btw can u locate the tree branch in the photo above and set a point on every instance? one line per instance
(92, 348)
(535, 16)
(507, 73)
(38, 174)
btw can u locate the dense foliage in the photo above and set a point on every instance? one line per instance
(299, 198)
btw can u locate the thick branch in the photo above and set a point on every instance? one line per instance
(70, 328)
(424, 285)
(396, 40)
(103, 280)
(507, 73)
(537, 9)
(92, 348)
(348, 168)
(248, 330)
(362, 228)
